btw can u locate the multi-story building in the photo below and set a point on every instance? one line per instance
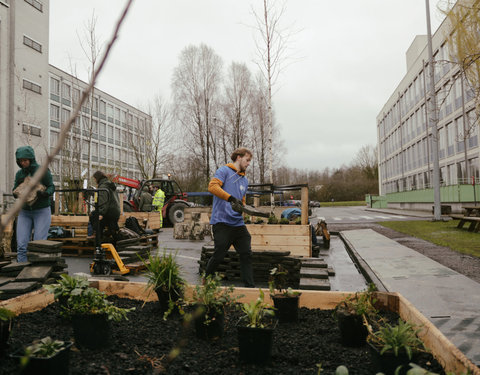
(23, 82)
(36, 98)
(405, 137)
(106, 133)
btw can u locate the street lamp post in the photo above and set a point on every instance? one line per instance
(433, 120)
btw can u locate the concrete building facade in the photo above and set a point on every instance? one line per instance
(405, 138)
(23, 82)
(37, 98)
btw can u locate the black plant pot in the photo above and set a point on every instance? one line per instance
(5, 328)
(91, 331)
(164, 297)
(352, 330)
(287, 307)
(388, 362)
(213, 330)
(255, 344)
(58, 364)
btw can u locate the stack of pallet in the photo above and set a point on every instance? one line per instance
(263, 262)
(44, 265)
(196, 224)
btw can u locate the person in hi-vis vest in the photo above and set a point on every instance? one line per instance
(157, 203)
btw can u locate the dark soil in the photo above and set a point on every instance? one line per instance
(141, 345)
(466, 265)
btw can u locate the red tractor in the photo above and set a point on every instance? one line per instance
(175, 199)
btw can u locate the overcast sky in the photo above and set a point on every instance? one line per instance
(350, 57)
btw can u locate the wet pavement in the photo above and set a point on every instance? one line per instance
(448, 299)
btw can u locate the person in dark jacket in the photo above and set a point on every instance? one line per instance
(36, 216)
(145, 201)
(108, 205)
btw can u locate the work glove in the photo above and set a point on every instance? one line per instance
(42, 194)
(15, 195)
(236, 204)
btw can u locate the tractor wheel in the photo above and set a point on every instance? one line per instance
(175, 213)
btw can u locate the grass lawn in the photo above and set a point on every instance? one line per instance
(346, 203)
(440, 233)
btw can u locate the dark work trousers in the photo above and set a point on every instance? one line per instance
(224, 236)
(107, 221)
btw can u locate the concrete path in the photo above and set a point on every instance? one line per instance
(448, 299)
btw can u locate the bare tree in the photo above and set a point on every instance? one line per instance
(272, 57)
(154, 151)
(260, 122)
(91, 47)
(195, 85)
(237, 102)
(463, 42)
(366, 158)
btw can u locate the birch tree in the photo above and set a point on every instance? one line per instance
(196, 87)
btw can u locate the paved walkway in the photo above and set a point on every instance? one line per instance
(448, 299)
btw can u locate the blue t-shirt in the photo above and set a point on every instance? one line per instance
(235, 185)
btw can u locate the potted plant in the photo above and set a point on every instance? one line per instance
(352, 316)
(163, 277)
(395, 346)
(284, 298)
(259, 221)
(284, 220)
(67, 286)
(210, 300)
(272, 219)
(6, 322)
(255, 331)
(91, 313)
(45, 357)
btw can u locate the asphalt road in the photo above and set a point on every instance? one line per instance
(354, 215)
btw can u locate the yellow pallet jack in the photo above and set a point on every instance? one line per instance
(107, 261)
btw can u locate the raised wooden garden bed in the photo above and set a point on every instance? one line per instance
(444, 351)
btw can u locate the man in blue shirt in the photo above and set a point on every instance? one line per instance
(229, 187)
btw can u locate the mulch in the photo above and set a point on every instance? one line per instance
(142, 345)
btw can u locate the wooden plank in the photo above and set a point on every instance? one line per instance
(274, 240)
(304, 198)
(279, 229)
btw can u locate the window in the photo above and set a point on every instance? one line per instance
(110, 112)
(65, 115)
(54, 86)
(103, 107)
(76, 96)
(66, 91)
(36, 4)
(32, 44)
(32, 86)
(53, 139)
(32, 130)
(54, 112)
(103, 129)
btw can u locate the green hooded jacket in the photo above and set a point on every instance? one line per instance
(108, 203)
(26, 152)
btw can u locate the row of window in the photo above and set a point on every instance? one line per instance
(451, 174)
(454, 131)
(97, 107)
(94, 129)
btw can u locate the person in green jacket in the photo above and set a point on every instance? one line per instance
(36, 216)
(145, 201)
(108, 205)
